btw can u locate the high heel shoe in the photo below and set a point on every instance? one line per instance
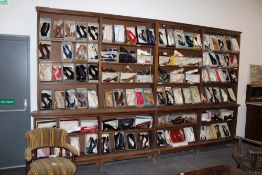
(131, 143)
(46, 100)
(131, 37)
(130, 79)
(150, 36)
(92, 145)
(160, 139)
(106, 146)
(44, 50)
(80, 73)
(45, 29)
(93, 72)
(68, 72)
(144, 141)
(119, 141)
(81, 31)
(114, 79)
(67, 52)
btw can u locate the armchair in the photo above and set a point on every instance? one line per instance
(248, 157)
(51, 165)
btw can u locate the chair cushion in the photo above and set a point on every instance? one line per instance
(52, 166)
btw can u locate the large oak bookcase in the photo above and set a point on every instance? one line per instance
(155, 111)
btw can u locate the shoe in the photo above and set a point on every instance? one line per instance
(44, 50)
(80, 73)
(110, 125)
(81, 31)
(160, 139)
(92, 145)
(68, 72)
(45, 29)
(93, 72)
(114, 79)
(151, 36)
(106, 144)
(92, 31)
(144, 125)
(131, 37)
(119, 141)
(142, 52)
(144, 141)
(131, 143)
(126, 123)
(70, 99)
(67, 52)
(130, 79)
(46, 100)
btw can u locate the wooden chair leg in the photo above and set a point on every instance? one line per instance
(253, 163)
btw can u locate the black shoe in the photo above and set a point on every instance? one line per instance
(160, 139)
(68, 72)
(80, 73)
(131, 143)
(106, 145)
(46, 100)
(92, 145)
(119, 141)
(45, 29)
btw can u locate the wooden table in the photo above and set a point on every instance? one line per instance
(216, 170)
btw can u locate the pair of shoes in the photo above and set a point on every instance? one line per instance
(144, 72)
(93, 32)
(151, 36)
(44, 50)
(119, 141)
(144, 141)
(178, 120)
(70, 99)
(131, 37)
(142, 52)
(80, 73)
(130, 79)
(131, 142)
(45, 29)
(110, 125)
(106, 144)
(92, 145)
(161, 98)
(81, 31)
(144, 125)
(126, 123)
(93, 72)
(46, 100)
(160, 139)
(68, 72)
(67, 52)
(119, 98)
(113, 79)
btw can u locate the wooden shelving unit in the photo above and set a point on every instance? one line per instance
(102, 113)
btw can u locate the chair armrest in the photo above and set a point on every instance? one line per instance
(72, 149)
(250, 140)
(28, 154)
(254, 152)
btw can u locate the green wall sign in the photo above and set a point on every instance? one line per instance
(7, 102)
(3, 1)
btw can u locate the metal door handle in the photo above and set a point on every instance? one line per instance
(17, 110)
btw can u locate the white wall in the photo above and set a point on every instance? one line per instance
(19, 18)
